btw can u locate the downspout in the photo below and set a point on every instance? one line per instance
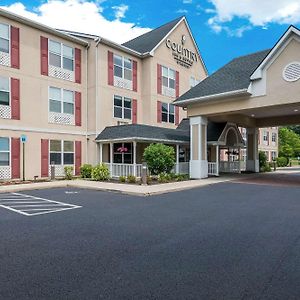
(97, 92)
(86, 103)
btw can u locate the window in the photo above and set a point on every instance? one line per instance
(61, 56)
(193, 81)
(61, 101)
(61, 152)
(168, 77)
(123, 153)
(122, 67)
(4, 91)
(274, 137)
(4, 38)
(122, 107)
(4, 151)
(266, 136)
(168, 113)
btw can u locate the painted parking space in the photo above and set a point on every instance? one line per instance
(28, 205)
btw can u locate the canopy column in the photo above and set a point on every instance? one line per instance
(252, 163)
(198, 142)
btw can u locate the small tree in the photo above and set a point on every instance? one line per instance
(262, 159)
(159, 158)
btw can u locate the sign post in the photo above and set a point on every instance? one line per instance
(23, 139)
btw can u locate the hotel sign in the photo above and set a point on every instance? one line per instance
(184, 56)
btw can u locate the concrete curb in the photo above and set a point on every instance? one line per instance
(117, 187)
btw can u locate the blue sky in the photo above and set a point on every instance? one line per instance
(223, 29)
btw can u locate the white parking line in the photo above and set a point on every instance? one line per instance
(28, 205)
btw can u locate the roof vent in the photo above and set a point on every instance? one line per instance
(292, 72)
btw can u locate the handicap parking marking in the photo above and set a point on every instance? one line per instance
(28, 205)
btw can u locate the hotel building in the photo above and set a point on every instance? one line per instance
(70, 98)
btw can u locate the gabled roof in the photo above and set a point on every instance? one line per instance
(146, 42)
(292, 30)
(233, 77)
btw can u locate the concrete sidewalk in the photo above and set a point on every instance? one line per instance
(139, 190)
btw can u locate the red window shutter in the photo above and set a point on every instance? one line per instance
(77, 65)
(177, 84)
(159, 79)
(134, 111)
(110, 68)
(44, 158)
(44, 56)
(15, 158)
(158, 112)
(15, 47)
(134, 76)
(15, 98)
(77, 157)
(77, 108)
(176, 115)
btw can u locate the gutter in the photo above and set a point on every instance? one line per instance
(235, 93)
(86, 104)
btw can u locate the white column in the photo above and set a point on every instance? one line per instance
(134, 158)
(252, 163)
(217, 160)
(239, 158)
(177, 160)
(101, 153)
(111, 148)
(198, 148)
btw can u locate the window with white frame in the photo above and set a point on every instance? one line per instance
(61, 152)
(122, 153)
(167, 113)
(4, 38)
(61, 101)
(168, 78)
(122, 107)
(274, 155)
(274, 137)
(4, 91)
(266, 136)
(61, 56)
(122, 67)
(193, 81)
(4, 152)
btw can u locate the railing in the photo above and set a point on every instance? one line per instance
(212, 169)
(124, 170)
(182, 168)
(230, 167)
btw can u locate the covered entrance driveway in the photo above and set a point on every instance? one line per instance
(253, 91)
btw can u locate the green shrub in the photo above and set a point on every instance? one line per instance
(68, 172)
(122, 179)
(182, 177)
(131, 179)
(86, 171)
(262, 160)
(100, 172)
(159, 158)
(282, 161)
(266, 168)
(164, 177)
(149, 179)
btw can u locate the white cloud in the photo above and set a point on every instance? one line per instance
(187, 1)
(82, 16)
(182, 11)
(120, 11)
(254, 12)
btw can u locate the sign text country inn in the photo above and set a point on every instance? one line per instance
(184, 56)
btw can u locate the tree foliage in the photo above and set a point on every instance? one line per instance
(159, 158)
(289, 143)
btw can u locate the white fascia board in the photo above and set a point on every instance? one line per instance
(212, 97)
(139, 139)
(41, 27)
(258, 73)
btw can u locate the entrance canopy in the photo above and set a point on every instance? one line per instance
(257, 90)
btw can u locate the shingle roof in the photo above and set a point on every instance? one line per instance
(147, 42)
(153, 133)
(233, 76)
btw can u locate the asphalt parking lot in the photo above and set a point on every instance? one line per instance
(225, 241)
